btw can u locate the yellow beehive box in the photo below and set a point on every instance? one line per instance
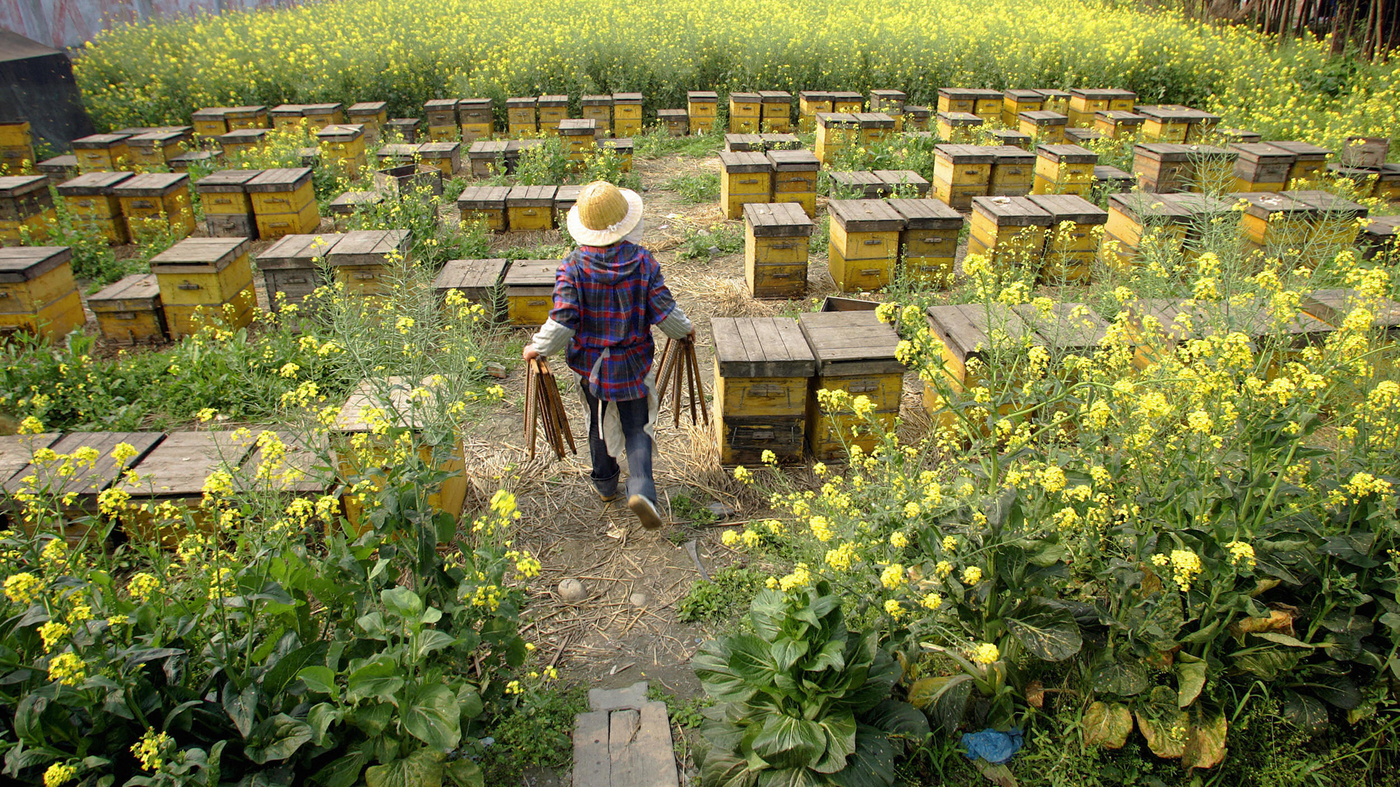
(744, 178)
(26, 209)
(530, 208)
(762, 369)
(102, 152)
(445, 156)
(37, 291)
(364, 262)
(702, 107)
(1164, 124)
(745, 113)
(205, 281)
(247, 117)
(1116, 124)
(627, 114)
(1014, 102)
(1084, 103)
(1072, 239)
(855, 353)
(520, 116)
(957, 100)
(928, 240)
(16, 147)
(1013, 138)
(176, 472)
(968, 338)
(775, 111)
(891, 102)
(864, 243)
(987, 105)
(129, 311)
(294, 266)
(961, 172)
(916, 118)
(287, 116)
(318, 116)
(1064, 169)
(284, 202)
(344, 147)
(675, 121)
(775, 249)
(476, 119)
(874, 126)
(795, 178)
(1120, 100)
(958, 127)
(1010, 230)
(1309, 161)
(1335, 222)
(809, 103)
(598, 109)
(156, 198)
(1387, 186)
(372, 116)
(209, 122)
(441, 114)
(1332, 306)
(77, 485)
(242, 141)
(552, 109)
(228, 208)
(847, 102)
(486, 204)
(530, 291)
(1043, 127)
(1013, 172)
(92, 202)
(1055, 101)
(580, 137)
(155, 149)
(1137, 218)
(836, 131)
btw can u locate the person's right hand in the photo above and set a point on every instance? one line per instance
(529, 353)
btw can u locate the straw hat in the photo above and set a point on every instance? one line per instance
(604, 214)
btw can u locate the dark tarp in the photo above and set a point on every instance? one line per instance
(36, 84)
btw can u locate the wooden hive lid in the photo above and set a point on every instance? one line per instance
(851, 343)
(926, 214)
(567, 196)
(1092, 93)
(183, 461)
(99, 141)
(1010, 137)
(578, 127)
(296, 251)
(403, 123)
(1199, 115)
(922, 135)
(917, 110)
(398, 150)
(346, 203)
(622, 145)
(369, 247)
(1180, 320)
(1067, 154)
(596, 101)
(190, 157)
(1143, 207)
(25, 263)
(1329, 204)
(19, 185)
(846, 95)
(865, 215)
(1023, 94)
(439, 149)
(471, 274)
(1333, 305)
(392, 396)
(969, 331)
(738, 162)
(1050, 92)
(300, 468)
(965, 154)
(553, 101)
(874, 120)
(532, 273)
(815, 95)
(781, 219)
(92, 184)
(957, 93)
(1213, 152)
(836, 120)
(1201, 205)
(861, 180)
(1070, 207)
(521, 101)
(780, 141)
(368, 107)
(200, 255)
(1044, 117)
(1118, 92)
(1120, 116)
(1011, 211)
(984, 93)
(960, 119)
(439, 104)
(321, 109)
(486, 148)
(155, 138)
(17, 451)
(761, 347)
(280, 179)
(530, 196)
(1105, 172)
(1162, 151)
(483, 198)
(473, 103)
(775, 96)
(131, 291)
(344, 132)
(1381, 227)
(1162, 113)
(1068, 327)
(286, 110)
(248, 111)
(1262, 151)
(1263, 204)
(890, 94)
(745, 98)
(672, 114)
(152, 184)
(702, 96)
(243, 136)
(209, 113)
(85, 480)
(58, 163)
(627, 98)
(900, 177)
(1011, 155)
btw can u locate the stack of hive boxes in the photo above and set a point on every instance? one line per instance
(92, 202)
(26, 208)
(205, 281)
(37, 291)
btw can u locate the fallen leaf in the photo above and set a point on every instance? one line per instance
(1107, 725)
(1205, 743)
(1035, 694)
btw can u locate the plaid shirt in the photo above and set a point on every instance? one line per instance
(610, 297)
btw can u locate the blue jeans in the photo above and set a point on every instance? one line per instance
(633, 414)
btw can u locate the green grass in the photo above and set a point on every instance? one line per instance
(695, 187)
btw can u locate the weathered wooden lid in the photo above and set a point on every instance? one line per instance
(553, 101)
(181, 464)
(780, 219)
(745, 98)
(1120, 117)
(200, 255)
(1020, 95)
(1010, 137)
(1044, 118)
(744, 162)
(889, 95)
(399, 151)
(1050, 92)
(957, 93)
(392, 396)
(286, 110)
(901, 177)
(300, 468)
(1201, 205)
(154, 139)
(815, 95)
(620, 145)
(865, 215)
(210, 113)
(345, 204)
(487, 149)
(152, 184)
(369, 247)
(1103, 172)
(367, 108)
(345, 132)
(99, 141)
(92, 184)
(520, 102)
(1165, 114)
(627, 98)
(284, 179)
(917, 111)
(530, 196)
(129, 290)
(960, 119)
(17, 451)
(793, 160)
(1144, 207)
(1119, 93)
(474, 103)
(1382, 227)
(402, 124)
(440, 105)
(63, 163)
(532, 273)
(566, 197)
(775, 96)
(1067, 154)
(965, 154)
(851, 343)
(874, 120)
(321, 109)
(190, 157)
(1332, 307)
(471, 274)
(1011, 211)
(1329, 204)
(1162, 151)
(985, 94)
(19, 185)
(1094, 94)
(595, 101)
(25, 263)
(1012, 155)
(243, 136)
(247, 112)
(926, 214)
(296, 251)
(578, 127)
(672, 114)
(761, 347)
(860, 180)
(1263, 204)
(846, 95)
(967, 329)
(702, 97)
(743, 143)
(483, 198)
(836, 120)
(85, 480)
(439, 149)
(1262, 152)
(1069, 327)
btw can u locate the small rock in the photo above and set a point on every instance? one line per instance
(721, 510)
(497, 370)
(714, 251)
(572, 590)
(639, 599)
(703, 233)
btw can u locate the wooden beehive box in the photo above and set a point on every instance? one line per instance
(1332, 306)
(1133, 217)
(745, 113)
(366, 262)
(487, 157)
(701, 106)
(744, 178)
(763, 366)
(861, 183)
(300, 468)
(676, 121)
(1361, 183)
(916, 117)
(530, 208)
(129, 311)
(1309, 161)
(78, 490)
(900, 182)
(228, 208)
(836, 131)
(1072, 239)
(37, 291)
(969, 337)
(957, 100)
(1200, 124)
(1276, 220)
(795, 178)
(520, 116)
(486, 204)
(1237, 136)
(775, 249)
(775, 111)
(16, 147)
(318, 116)
(864, 243)
(1065, 328)
(445, 156)
(209, 122)
(1084, 103)
(1213, 168)
(17, 452)
(1043, 127)
(580, 139)
(809, 103)
(1163, 167)
(627, 114)
(1008, 229)
(1261, 167)
(284, 202)
(1054, 100)
(1112, 180)
(552, 109)
(1064, 169)
(58, 168)
(623, 148)
(928, 241)
(1010, 137)
(957, 127)
(987, 105)
(597, 108)
(1381, 236)
(1013, 172)
(1164, 124)
(1014, 102)
(530, 291)
(348, 203)
(476, 119)
(1364, 152)
(405, 129)
(203, 281)
(102, 152)
(1336, 220)
(292, 268)
(26, 208)
(855, 353)
(480, 282)
(372, 116)
(1387, 186)
(344, 147)
(1116, 124)
(285, 116)
(874, 126)
(242, 141)
(92, 202)
(847, 102)
(176, 471)
(961, 172)
(253, 116)
(565, 198)
(891, 102)
(153, 149)
(1159, 325)
(184, 161)
(156, 198)
(441, 114)
(1120, 100)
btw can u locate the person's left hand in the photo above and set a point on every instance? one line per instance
(529, 353)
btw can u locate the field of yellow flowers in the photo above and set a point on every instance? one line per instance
(406, 53)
